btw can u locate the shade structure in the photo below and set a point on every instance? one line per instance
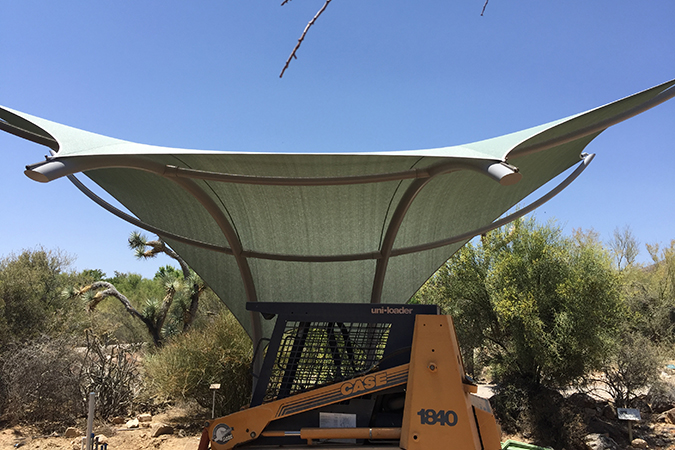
(347, 227)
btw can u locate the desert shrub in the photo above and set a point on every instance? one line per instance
(537, 305)
(41, 379)
(110, 369)
(632, 367)
(3, 389)
(189, 363)
(538, 412)
(661, 396)
(30, 296)
(650, 296)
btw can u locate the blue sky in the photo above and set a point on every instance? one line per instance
(370, 76)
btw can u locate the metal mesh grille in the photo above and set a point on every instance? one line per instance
(313, 354)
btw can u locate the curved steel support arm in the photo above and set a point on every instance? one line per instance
(500, 171)
(505, 174)
(334, 258)
(227, 230)
(143, 225)
(56, 167)
(216, 248)
(242, 262)
(587, 158)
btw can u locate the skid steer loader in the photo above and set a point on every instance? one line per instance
(359, 375)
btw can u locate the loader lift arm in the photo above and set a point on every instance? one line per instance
(394, 370)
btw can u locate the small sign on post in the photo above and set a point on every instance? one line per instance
(630, 415)
(214, 387)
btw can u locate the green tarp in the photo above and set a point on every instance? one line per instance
(359, 227)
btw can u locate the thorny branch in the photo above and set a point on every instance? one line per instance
(304, 33)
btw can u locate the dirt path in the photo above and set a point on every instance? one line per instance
(138, 439)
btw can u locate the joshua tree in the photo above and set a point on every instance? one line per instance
(195, 286)
(154, 314)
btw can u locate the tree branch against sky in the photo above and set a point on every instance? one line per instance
(302, 36)
(484, 6)
(309, 25)
(624, 246)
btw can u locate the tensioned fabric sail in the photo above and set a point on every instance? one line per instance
(347, 227)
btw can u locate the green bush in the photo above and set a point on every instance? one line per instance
(538, 305)
(188, 364)
(541, 413)
(31, 304)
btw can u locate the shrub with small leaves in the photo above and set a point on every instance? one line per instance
(631, 368)
(187, 365)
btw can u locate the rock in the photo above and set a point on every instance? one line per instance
(638, 443)
(118, 420)
(133, 423)
(147, 417)
(662, 397)
(159, 429)
(582, 401)
(600, 442)
(76, 444)
(101, 439)
(72, 432)
(670, 416)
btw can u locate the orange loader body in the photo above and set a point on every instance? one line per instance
(441, 410)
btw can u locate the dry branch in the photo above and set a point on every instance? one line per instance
(484, 6)
(304, 33)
